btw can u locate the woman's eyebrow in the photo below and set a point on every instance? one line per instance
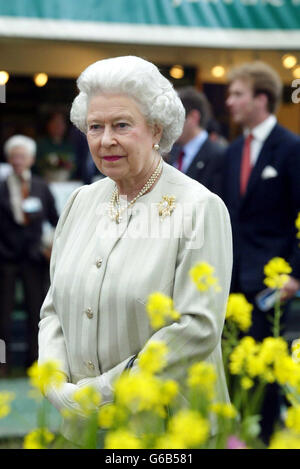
(117, 116)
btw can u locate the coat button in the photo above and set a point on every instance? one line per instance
(99, 262)
(91, 365)
(89, 313)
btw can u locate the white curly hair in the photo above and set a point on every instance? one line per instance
(20, 141)
(140, 80)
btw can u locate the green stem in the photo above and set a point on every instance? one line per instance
(277, 315)
(255, 402)
(42, 417)
(229, 342)
(237, 394)
(90, 440)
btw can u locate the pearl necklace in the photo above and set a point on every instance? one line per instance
(115, 210)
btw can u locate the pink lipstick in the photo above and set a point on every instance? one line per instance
(112, 158)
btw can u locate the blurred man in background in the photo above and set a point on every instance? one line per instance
(262, 193)
(195, 153)
(26, 203)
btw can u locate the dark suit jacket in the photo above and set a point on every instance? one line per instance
(263, 220)
(206, 166)
(21, 242)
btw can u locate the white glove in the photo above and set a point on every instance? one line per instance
(100, 384)
(62, 397)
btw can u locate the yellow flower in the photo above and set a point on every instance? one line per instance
(276, 272)
(239, 310)
(272, 348)
(153, 358)
(5, 400)
(38, 439)
(296, 350)
(122, 439)
(170, 441)
(255, 365)
(285, 440)
(251, 360)
(202, 276)
(169, 390)
(202, 376)
(247, 383)
(190, 427)
(286, 371)
(297, 223)
(139, 391)
(161, 310)
(45, 375)
(88, 399)
(292, 420)
(240, 355)
(228, 411)
(107, 415)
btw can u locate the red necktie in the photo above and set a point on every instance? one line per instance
(246, 164)
(25, 194)
(180, 160)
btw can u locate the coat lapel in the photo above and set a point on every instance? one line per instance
(5, 199)
(236, 169)
(199, 161)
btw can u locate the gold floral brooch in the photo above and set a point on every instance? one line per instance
(166, 205)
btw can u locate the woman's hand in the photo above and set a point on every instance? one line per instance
(290, 289)
(100, 384)
(62, 397)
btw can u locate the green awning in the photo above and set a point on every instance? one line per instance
(215, 23)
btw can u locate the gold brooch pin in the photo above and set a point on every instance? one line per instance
(166, 206)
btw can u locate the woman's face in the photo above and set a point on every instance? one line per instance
(120, 140)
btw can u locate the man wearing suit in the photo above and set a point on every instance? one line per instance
(262, 194)
(195, 154)
(25, 204)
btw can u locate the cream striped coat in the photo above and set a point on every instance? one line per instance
(93, 319)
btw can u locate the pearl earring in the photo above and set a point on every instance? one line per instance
(156, 146)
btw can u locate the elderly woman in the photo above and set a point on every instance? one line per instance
(25, 204)
(137, 231)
